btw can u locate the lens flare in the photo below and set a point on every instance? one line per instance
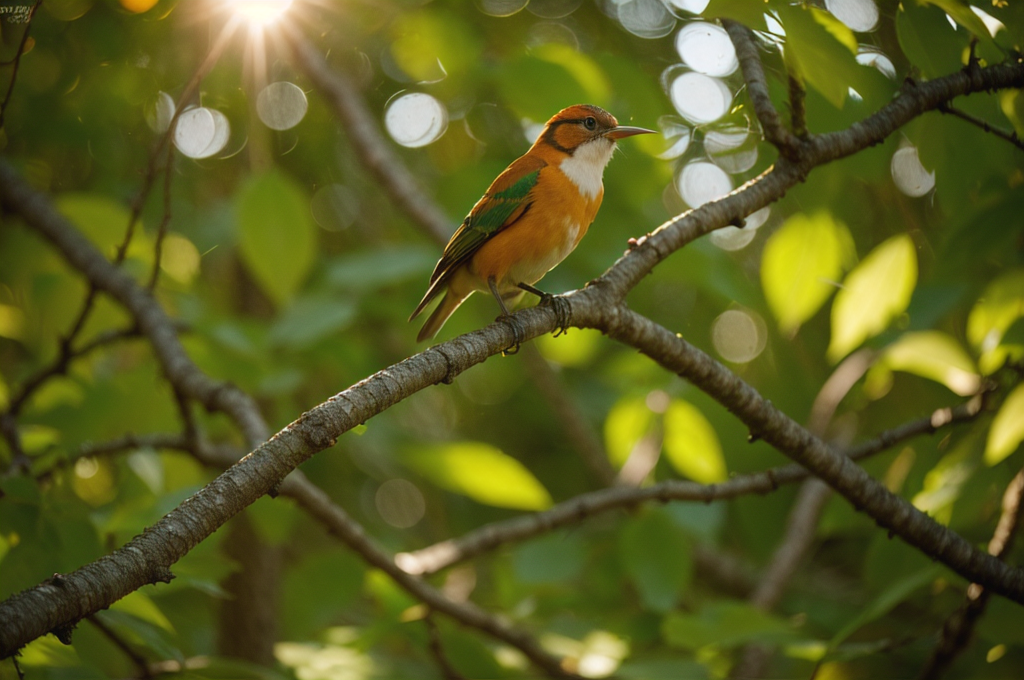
(259, 11)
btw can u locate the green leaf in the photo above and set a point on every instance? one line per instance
(724, 624)
(999, 306)
(307, 320)
(836, 29)
(876, 291)
(815, 55)
(936, 356)
(691, 444)
(103, 220)
(801, 265)
(553, 558)
(750, 14)
(141, 607)
(483, 473)
(1007, 430)
(627, 422)
(960, 11)
(142, 631)
(277, 237)
(376, 269)
(656, 555)
(536, 88)
(927, 39)
(885, 602)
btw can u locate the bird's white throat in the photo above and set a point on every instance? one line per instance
(586, 165)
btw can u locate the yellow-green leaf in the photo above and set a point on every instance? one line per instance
(960, 11)
(627, 422)
(801, 265)
(483, 473)
(877, 290)
(691, 444)
(277, 237)
(999, 306)
(1007, 430)
(936, 356)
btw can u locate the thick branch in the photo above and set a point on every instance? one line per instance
(60, 602)
(838, 471)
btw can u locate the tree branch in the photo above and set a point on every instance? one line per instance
(757, 87)
(60, 602)
(360, 126)
(838, 471)
(448, 553)
(956, 632)
(1011, 136)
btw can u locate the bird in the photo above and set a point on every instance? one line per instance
(530, 218)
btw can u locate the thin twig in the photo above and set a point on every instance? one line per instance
(797, 109)
(16, 62)
(147, 557)
(448, 671)
(136, 658)
(164, 221)
(757, 87)
(360, 126)
(1011, 136)
(445, 554)
(958, 628)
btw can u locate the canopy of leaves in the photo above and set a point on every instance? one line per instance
(292, 270)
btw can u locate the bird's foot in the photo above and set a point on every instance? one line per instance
(518, 333)
(563, 312)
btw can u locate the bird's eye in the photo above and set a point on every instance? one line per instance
(590, 122)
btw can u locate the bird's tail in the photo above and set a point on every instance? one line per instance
(449, 303)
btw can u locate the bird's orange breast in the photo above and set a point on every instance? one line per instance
(558, 217)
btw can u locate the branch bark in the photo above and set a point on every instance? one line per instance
(60, 602)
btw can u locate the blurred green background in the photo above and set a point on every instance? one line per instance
(294, 273)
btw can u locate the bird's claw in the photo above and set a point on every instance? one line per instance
(563, 312)
(518, 333)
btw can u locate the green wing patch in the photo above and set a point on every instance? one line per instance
(497, 212)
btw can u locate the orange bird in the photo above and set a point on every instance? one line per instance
(532, 216)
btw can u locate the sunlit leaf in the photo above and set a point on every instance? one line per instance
(483, 473)
(1007, 430)
(656, 555)
(430, 44)
(691, 444)
(814, 54)
(999, 306)
(572, 349)
(936, 356)
(960, 11)
(836, 29)
(944, 483)
(875, 292)
(277, 237)
(724, 624)
(627, 422)
(102, 219)
(142, 607)
(801, 266)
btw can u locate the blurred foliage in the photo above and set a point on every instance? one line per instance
(294, 274)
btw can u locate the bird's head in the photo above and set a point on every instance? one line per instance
(583, 125)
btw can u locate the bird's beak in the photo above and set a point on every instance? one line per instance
(627, 131)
